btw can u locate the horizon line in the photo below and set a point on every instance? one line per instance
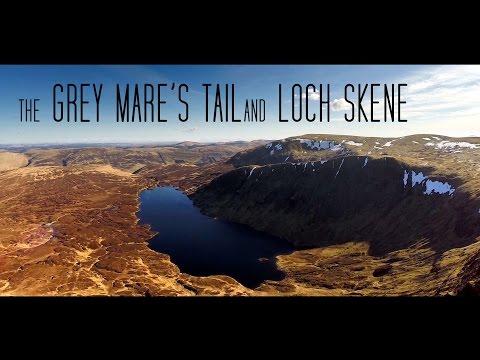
(173, 142)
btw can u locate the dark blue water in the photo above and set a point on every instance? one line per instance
(200, 245)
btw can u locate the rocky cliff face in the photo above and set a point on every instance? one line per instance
(317, 204)
(392, 194)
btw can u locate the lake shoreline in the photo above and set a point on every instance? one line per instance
(208, 246)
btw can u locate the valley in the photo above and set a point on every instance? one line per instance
(364, 216)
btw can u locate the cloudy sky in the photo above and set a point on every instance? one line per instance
(440, 100)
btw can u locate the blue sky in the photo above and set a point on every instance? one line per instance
(440, 99)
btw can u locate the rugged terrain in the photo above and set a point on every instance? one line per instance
(374, 215)
(369, 216)
(68, 223)
(135, 158)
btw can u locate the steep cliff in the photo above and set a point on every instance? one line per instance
(393, 194)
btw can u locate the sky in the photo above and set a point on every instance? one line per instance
(440, 100)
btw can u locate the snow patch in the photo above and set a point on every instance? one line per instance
(339, 168)
(353, 143)
(431, 186)
(438, 187)
(452, 145)
(317, 145)
(415, 142)
(365, 163)
(417, 178)
(428, 139)
(277, 147)
(388, 143)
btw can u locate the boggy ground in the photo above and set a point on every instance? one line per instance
(74, 231)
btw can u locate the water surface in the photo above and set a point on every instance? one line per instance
(200, 245)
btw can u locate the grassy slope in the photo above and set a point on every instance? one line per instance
(341, 201)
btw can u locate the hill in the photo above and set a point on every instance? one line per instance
(387, 196)
(10, 160)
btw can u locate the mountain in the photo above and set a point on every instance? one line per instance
(390, 196)
(367, 216)
(132, 158)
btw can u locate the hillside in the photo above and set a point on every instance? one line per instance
(368, 216)
(10, 160)
(68, 222)
(133, 158)
(386, 195)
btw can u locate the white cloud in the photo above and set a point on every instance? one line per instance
(315, 96)
(190, 130)
(440, 99)
(444, 92)
(340, 104)
(312, 95)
